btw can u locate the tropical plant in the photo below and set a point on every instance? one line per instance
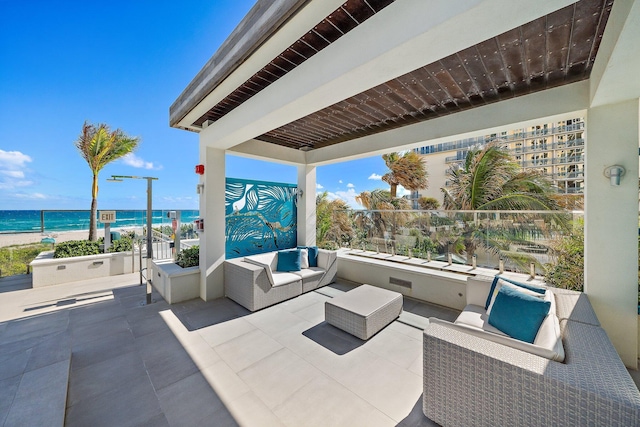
(567, 268)
(405, 169)
(428, 203)
(123, 244)
(490, 179)
(75, 248)
(189, 257)
(15, 259)
(333, 225)
(99, 145)
(379, 216)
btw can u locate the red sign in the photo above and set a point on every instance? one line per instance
(200, 169)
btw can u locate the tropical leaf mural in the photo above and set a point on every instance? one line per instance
(260, 217)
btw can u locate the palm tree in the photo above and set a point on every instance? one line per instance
(375, 222)
(491, 180)
(99, 145)
(332, 221)
(405, 169)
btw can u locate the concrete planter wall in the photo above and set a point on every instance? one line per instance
(174, 283)
(49, 271)
(439, 287)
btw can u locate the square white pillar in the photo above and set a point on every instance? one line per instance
(611, 223)
(307, 205)
(212, 210)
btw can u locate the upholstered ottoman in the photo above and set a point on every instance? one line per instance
(363, 311)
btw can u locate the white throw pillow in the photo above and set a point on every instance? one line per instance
(304, 259)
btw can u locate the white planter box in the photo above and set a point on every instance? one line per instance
(174, 283)
(48, 271)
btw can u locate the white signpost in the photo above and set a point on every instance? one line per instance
(107, 217)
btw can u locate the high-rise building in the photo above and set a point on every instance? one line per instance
(556, 149)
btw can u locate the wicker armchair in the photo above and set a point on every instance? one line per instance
(472, 381)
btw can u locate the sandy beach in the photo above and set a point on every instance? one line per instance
(10, 239)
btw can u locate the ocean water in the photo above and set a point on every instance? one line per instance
(24, 221)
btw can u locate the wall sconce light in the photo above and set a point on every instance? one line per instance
(614, 173)
(200, 188)
(300, 193)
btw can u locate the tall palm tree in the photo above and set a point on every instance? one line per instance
(99, 145)
(377, 222)
(333, 225)
(490, 179)
(405, 169)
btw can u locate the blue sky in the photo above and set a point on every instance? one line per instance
(122, 63)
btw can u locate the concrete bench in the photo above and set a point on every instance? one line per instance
(363, 311)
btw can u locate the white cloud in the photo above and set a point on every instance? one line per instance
(319, 187)
(375, 177)
(13, 159)
(13, 174)
(350, 185)
(136, 162)
(13, 165)
(340, 181)
(32, 196)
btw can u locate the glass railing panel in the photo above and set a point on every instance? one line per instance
(513, 239)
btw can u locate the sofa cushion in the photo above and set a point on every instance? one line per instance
(522, 285)
(517, 314)
(500, 283)
(309, 272)
(281, 278)
(477, 289)
(475, 316)
(289, 260)
(312, 254)
(549, 335)
(304, 259)
(502, 339)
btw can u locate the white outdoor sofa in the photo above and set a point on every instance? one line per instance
(472, 378)
(255, 283)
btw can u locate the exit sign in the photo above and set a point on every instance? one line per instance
(107, 216)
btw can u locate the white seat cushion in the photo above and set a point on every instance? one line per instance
(309, 272)
(283, 278)
(475, 316)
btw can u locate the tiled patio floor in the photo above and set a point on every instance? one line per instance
(212, 363)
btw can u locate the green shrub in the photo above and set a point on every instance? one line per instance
(428, 203)
(14, 259)
(124, 244)
(76, 248)
(568, 269)
(189, 257)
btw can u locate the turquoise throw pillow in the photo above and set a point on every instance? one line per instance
(517, 314)
(289, 260)
(313, 254)
(541, 291)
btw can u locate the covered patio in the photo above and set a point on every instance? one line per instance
(310, 83)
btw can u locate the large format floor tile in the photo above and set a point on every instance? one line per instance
(210, 363)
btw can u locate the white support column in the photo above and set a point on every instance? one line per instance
(212, 240)
(611, 223)
(307, 205)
